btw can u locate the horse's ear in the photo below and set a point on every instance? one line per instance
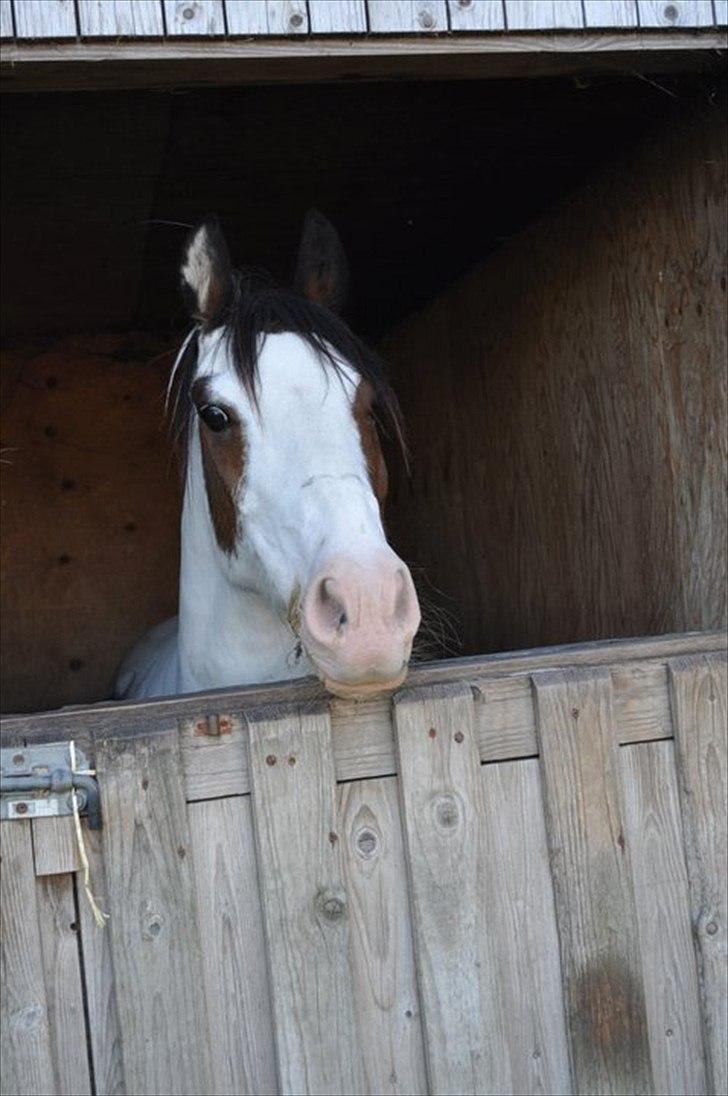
(322, 272)
(206, 272)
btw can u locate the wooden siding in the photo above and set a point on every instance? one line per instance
(63, 19)
(552, 921)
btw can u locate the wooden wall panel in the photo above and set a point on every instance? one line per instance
(566, 410)
(90, 516)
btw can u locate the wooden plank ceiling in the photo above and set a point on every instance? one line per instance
(64, 19)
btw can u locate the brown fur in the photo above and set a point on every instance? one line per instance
(223, 464)
(370, 442)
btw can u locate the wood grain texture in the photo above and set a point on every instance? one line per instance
(153, 925)
(120, 18)
(516, 894)
(543, 14)
(363, 735)
(341, 17)
(600, 957)
(610, 13)
(26, 1065)
(304, 904)
(347, 16)
(233, 947)
(547, 405)
(78, 465)
(700, 709)
(654, 834)
(55, 848)
(478, 15)
(406, 16)
(103, 1014)
(386, 1002)
(266, 16)
(483, 911)
(676, 13)
(45, 18)
(7, 30)
(64, 992)
(194, 17)
(721, 12)
(442, 808)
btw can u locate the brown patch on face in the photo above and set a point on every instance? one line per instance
(370, 441)
(223, 465)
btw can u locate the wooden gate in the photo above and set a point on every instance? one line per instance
(510, 879)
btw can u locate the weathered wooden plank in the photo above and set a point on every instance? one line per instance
(266, 16)
(676, 13)
(441, 796)
(62, 972)
(721, 13)
(153, 926)
(41, 725)
(602, 977)
(234, 60)
(26, 1065)
(217, 764)
(475, 15)
(233, 947)
(55, 850)
(341, 17)
(700, 708)
(45, 18)
(516, 896)
(304, 904)
(406, 16)
(654, 835)
(103, 1016)
(194, 17)
(543, 14)
(610, 13)
(120, 18)
(6, 19)
(380, 938)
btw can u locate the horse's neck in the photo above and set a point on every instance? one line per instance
(228, 633)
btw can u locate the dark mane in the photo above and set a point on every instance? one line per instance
(258, 307)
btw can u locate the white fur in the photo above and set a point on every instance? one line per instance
(305, 497)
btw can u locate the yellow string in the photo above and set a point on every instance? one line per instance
(99, 916)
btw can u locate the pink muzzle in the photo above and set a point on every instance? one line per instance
(358, 621)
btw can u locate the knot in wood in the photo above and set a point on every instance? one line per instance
(152, 927)
(447, 813)
(296, 19)
(426, 19)
(331, 903)
(366, 843)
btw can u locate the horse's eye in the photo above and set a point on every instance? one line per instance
(214, 417)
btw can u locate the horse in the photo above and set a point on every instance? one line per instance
(285, 568)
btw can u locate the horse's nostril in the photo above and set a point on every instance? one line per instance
(343, 619)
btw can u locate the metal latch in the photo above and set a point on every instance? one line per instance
(37, 782)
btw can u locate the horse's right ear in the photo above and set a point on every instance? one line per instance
(206, 272)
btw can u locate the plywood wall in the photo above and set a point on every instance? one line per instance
(89, 514)
(566, 405)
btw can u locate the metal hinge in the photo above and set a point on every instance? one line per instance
(37, 782)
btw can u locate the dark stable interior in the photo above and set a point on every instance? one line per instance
(424, 181)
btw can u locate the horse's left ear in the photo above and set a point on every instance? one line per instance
(322, 271)
(206, 272)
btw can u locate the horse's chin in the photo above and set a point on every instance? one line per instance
(361, 690)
